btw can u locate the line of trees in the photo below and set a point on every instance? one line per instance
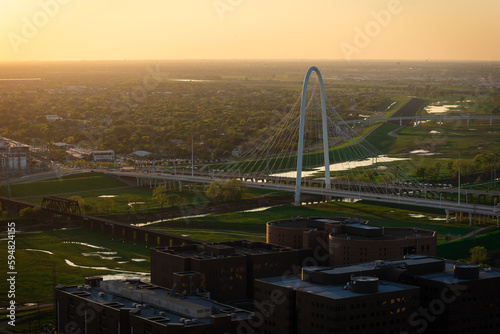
(481, 168)
(226, 191)
(161, 196)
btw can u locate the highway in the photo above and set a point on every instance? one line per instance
(450, 206)
(420, 118)
(488, 210)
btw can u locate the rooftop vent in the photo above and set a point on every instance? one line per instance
(364, 284)
(466, 271)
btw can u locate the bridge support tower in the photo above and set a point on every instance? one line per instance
(302, 130)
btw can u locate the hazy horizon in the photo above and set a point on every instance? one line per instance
(257, 60)
(399, 30)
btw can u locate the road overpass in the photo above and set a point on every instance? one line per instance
(420, 118)
(397, 194)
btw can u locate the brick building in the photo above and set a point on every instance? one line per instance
(227, 269)
(307, 306)
(134, 307)
(416, 294)
(351, 241)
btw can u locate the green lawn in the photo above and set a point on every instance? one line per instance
(400, 101)
(218, 236)
(449, 139)
(34, 280)
(34, 268)
(27, 321)
(255, 222)
(71, 184)
(90, 186)
(459, 249)
(380, 139)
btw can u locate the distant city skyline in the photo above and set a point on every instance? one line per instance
(242, 29)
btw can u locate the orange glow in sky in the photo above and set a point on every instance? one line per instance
(249, 29)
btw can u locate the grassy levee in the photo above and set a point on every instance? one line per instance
(27, 321)
(34, 279)
(254, 222)
(459, 249)
(218, 236)
(34, 268)
(70, 184)
(244, 225)
(448, 139)
(378, 138)
(400, 101)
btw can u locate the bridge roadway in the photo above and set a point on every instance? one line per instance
(419, 118)
(274, 184)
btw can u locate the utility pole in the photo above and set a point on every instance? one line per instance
(192, 155)
(495, 173)
(458, 178)
(267, 161)
(54, 284)
(8, 173)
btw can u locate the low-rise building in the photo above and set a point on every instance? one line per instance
(350, 240)
(104, 156)
(227, 269)
(357, 243)
(14, 156)
(135, 307)
(416, 294)
(52, 118)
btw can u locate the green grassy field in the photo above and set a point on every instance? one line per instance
(400, 101)
(218, 235)
(71, 184)
(459, 249)
(232, 226)
(90, 186)
(254, 222)
(34, 280)
(379, 138)
(28, 321)
(449, 139)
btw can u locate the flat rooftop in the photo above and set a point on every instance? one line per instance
(415, 265)
(408, 262)
(334, 291)
(447, 276)
(155, 303)
(366, 232)
(222, 250)
(308, 223)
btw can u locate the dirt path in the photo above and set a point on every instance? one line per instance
(479, 230)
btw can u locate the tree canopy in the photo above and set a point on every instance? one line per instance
(160, 195)
(226, 191)
(478, 255)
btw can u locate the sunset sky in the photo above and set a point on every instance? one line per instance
(248, 29)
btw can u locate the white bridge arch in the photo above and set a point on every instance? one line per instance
(324, 121)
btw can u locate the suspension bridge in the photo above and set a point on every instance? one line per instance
(312, 150)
